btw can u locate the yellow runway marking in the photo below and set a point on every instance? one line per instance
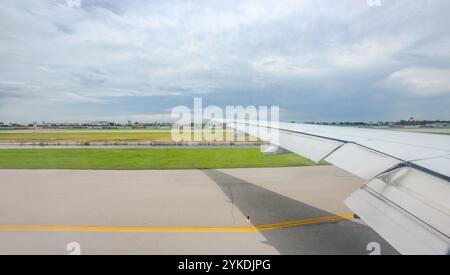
(178, 229)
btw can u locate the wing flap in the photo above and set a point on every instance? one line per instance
(312, 147)
(424, 196)
(407, 198)
(361, 161)
(440, 165)
(403, 231)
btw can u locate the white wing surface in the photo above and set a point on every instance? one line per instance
(407, 197)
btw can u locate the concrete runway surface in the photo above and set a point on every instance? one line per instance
(291, 210)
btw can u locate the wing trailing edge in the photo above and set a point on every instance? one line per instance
(407, 197)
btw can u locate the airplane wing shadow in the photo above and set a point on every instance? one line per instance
(266, 207)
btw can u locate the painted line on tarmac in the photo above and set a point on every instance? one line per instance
(179, 229)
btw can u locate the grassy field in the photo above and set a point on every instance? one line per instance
(85, 137)
(137, 159)
(89, 137)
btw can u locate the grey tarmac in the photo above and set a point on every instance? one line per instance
(180, 199)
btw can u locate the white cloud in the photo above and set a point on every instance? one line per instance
(423, 81)
(296, 66)
(136, 50)
(434, 49)
(370, 51)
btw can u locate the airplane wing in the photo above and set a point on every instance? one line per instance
(407, 196)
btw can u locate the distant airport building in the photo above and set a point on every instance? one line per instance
(441, 125)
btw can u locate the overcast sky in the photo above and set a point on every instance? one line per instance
(318, 60)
